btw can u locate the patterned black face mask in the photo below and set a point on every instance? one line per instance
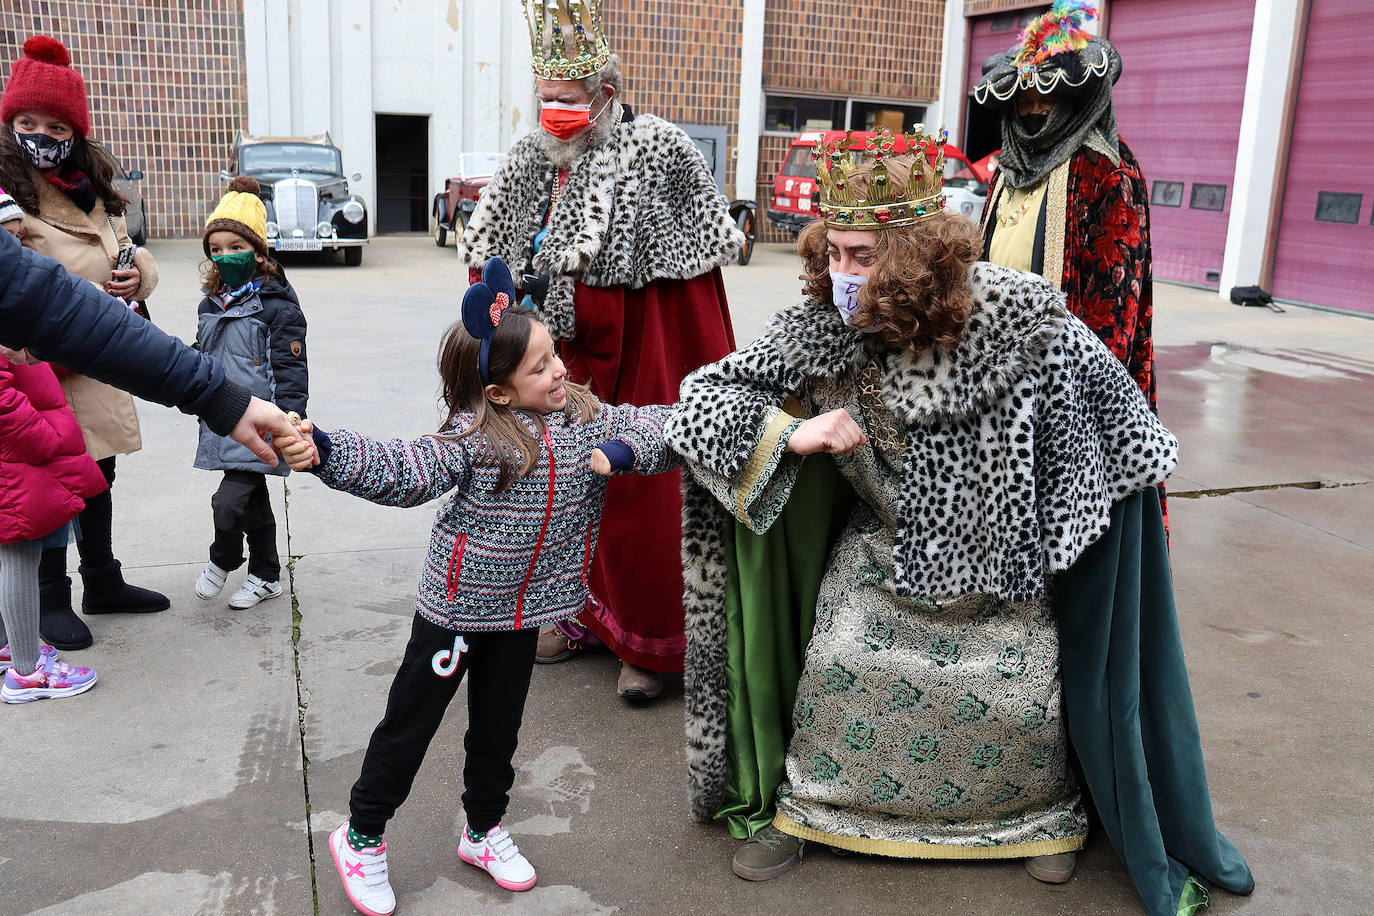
(44, 152)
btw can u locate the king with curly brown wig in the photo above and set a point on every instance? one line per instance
(918, 291)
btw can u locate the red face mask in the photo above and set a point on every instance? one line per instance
(565, 120)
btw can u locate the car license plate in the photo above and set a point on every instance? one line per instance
(782, 203)
(298, 245)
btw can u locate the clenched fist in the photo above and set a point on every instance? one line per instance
(834, 432)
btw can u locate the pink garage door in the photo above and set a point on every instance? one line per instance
(989, 35)
(1325, 251)
(1178, 106)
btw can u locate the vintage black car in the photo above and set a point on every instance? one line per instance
(309, 207)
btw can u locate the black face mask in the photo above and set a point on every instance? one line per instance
(1033, 123)
(44, 152)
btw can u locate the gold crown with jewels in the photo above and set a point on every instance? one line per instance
(886, 202)
(566, 39)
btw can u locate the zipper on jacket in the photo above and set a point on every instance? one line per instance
(455, 564)
(548, 511)
(587, 557)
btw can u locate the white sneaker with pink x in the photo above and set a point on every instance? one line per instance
(497, 855)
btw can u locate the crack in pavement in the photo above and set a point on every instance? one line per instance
(1297, 485)
(301, 702)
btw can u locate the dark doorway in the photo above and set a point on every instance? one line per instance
(402, 173)
(982, 131)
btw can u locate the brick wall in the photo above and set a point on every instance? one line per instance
(681, 61)
(166, 88)
(886, 49)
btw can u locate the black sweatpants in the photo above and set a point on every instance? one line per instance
(242, 508)
(498, 667)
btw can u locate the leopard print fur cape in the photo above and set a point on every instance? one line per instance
(641, 207)
(1019, 440)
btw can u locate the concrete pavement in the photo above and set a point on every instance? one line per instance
(204, 772)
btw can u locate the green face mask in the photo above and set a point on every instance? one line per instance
(236, 269)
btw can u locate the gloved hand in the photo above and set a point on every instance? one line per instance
(536, 287)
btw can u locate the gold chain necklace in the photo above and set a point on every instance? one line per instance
(1032, 197)
(881, 431)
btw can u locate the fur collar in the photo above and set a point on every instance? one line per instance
(639, 207)
(1015, 316)
(57, 210)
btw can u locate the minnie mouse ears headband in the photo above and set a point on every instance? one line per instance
(483, 304)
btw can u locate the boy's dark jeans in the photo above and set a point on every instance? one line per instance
(242, 509)
(498, 667)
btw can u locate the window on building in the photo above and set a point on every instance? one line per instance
(896, 118)
(1338, 207)
(793, 114)
(1208, 197)
(1167, 194)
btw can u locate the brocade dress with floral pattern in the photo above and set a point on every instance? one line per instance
(923, 728)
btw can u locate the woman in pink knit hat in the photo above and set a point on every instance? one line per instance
(62, 181)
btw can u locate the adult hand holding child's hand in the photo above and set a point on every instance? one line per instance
(299, 450)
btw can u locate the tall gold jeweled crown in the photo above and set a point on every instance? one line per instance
(566, 39)
(886, 201)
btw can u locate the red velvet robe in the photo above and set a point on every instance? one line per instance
(635, 346)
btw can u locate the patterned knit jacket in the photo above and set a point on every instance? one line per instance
(509, 560)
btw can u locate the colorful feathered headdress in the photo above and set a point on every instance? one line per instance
(1055, 53)
(1058, 30)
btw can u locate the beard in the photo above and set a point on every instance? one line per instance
(563, 153)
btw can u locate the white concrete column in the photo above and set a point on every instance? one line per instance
(255, 59)
(313, 75)
(352, 124)
(519, 115)
(482, 76)
(750, 100)
(949, 108)
(451, 30)
(276, 44)
(1272, 47)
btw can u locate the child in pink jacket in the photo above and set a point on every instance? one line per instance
(45, 478)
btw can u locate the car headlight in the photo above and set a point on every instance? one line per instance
(353, 211)
(324, 230)
(272, 230)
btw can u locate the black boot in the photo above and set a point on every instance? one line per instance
(57, 622)
(107, 593)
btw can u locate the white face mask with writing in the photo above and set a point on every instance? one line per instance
(845, 292)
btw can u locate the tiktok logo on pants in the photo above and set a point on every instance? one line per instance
(446, 660)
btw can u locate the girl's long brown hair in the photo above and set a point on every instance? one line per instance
(919, 292)
(17, 172)
(515, 450)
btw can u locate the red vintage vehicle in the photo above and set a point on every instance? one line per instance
(454, 206)
(796, 196)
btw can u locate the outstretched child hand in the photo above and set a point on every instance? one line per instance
(300, 452)
(601, 464)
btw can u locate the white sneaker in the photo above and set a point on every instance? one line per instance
(211, 581)
(364, 874)
(252, 591)
(497, 855)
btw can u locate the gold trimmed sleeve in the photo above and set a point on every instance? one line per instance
(766, 481)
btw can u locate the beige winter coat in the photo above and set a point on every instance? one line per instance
(85, 246)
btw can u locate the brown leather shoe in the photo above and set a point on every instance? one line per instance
(554, 647)
(1055, 869)
(638, 685)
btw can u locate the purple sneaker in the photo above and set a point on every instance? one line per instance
(50, 680)
(45, 655)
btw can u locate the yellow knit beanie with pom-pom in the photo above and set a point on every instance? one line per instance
(241, 212)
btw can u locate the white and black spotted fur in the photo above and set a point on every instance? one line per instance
(1020, 439)
(639, 208)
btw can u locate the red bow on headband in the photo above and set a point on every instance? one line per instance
(500, 305)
